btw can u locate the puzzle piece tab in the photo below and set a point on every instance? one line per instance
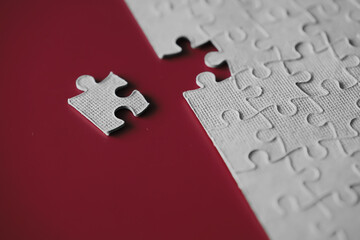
(279, 82)
(164, 22)
(322, 65)
(99, 102)
(338, 102)
(241, 54)
(295, 130)
(213, 98)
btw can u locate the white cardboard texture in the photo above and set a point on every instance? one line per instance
(99, 102)
(287, 122)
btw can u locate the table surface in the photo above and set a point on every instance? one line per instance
(160, 177)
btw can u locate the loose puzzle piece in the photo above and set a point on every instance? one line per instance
(268, 182)
(279, 81)
(241, 55)
(164, 22)
(99, 102)
(295, 131)
(337, 102)
(235, 148)
(322, 65)
(213, 98)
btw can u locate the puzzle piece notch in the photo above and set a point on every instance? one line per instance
(278, 89)
(268, 11)
(213, 98)
(302, 221)
(292, 28)
(337, 102)
(236, 140)
(338, 174)
(166, 23)
(344, 23)
(295, 131)
(328, 6)
(268, 182)
(226, 16)
(351, 145)
(343, 223)
(98, 102)
(241, 54)
(322, 65)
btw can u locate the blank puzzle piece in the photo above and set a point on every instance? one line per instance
(99, 102)
(338, 102)
(237, 150)
(342, 223)
(342, 23)
(267, 11)
(263, 189)
(322, 65)
(292, 27)
(301, 223)
(213, 98)
(241, 54)
(295, 131)
(279, 81)
(338, 174)
(223, 19)
(164, 22)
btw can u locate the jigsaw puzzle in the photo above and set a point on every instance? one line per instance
(99, 102)
(287, 121)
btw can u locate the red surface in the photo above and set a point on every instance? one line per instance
(61, 178)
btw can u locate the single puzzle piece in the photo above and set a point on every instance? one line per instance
(351, 145)
(344, 221)
(295, 131)
(338, 174)
(213, 98)
(250, 5)
(164, 22)
(278, 89)
(226, 16)
(344, 48)
(268, 182)
(275, 9)
(339, 107)
(236, 140)
(322, 65)
(344, 23)
(328, 6)
(301, 222)
(99, 102)
(241, 54)
(289, 32)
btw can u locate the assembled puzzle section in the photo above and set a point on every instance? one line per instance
(99, 102)
(287, 121)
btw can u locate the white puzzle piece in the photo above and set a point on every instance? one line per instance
(99, 102)
(164, 22)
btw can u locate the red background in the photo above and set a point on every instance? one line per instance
(60, 178)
